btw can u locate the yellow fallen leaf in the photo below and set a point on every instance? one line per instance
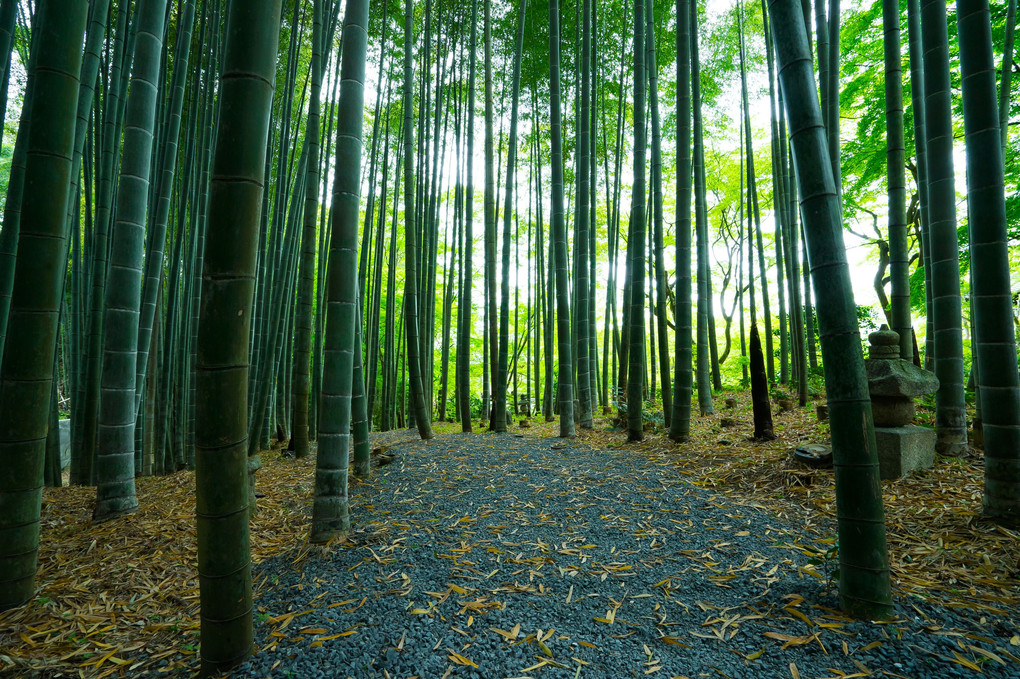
(461, 660)
(987, 654)
(757, 654)
(80, 649)
(800, 616)
(966, 663)
(101, 660)
(788, 639)
(545, 649)
(288, 618)
(862, 667)
(98, 631)
(794, 672)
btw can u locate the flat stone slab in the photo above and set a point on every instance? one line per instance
(904, 449)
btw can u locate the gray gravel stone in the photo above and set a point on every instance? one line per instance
(612, 558)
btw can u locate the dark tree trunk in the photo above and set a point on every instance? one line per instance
(760, 391)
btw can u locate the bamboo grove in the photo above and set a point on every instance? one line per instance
(228, 223)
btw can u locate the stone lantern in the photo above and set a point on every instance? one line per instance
(893, 384)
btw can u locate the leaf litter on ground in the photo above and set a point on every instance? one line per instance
(121, 598)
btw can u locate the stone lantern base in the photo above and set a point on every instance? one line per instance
(904, 449)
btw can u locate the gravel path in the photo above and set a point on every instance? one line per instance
(499, 556)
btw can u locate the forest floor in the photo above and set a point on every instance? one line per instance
(121, 598)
